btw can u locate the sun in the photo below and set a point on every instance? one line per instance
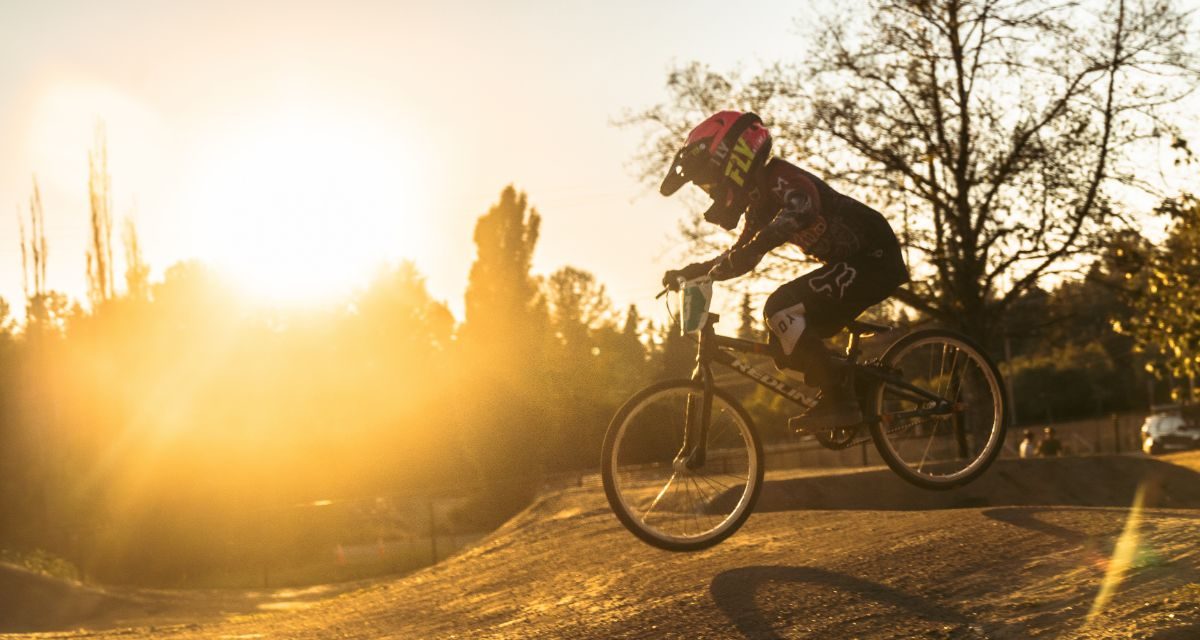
(303, 205)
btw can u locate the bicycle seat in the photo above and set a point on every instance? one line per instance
(861, 328)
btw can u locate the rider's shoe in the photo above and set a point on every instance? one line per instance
(837, 407)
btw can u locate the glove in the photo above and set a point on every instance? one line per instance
(695, 270)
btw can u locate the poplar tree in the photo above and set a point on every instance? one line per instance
(503, 357)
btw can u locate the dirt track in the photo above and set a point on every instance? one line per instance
(1039, 548)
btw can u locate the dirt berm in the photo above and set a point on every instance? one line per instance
(1095, 547)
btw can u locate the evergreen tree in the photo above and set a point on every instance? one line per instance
(632, 322)
(748, 330)
(678, 352)
(578, 304)
(633, 352)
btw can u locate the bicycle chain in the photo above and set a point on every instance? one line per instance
(831, 441)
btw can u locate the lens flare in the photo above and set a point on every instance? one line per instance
(1124, 554)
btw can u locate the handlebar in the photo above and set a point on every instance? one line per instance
(679, 282)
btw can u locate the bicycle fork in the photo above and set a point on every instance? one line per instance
(693, 453)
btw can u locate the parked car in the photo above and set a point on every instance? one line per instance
(1170, 431)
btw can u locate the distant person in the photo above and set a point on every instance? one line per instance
(1028, 444)
(1050, 446)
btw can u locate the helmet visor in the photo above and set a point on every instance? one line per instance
(690, 164)
(675, 177)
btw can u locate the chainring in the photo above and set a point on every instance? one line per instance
(840, 438)
(846, 437)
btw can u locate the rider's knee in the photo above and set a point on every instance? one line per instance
(787, 326)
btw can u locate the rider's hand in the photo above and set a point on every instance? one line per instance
(671, 279)
(691, 272)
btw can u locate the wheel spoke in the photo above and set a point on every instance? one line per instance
(717, 487)
(928, 445)
(658, 497)
(690, 509)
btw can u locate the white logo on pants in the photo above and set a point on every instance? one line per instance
(789, 324)
(840, 276)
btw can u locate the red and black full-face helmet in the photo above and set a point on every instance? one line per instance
(723, 156)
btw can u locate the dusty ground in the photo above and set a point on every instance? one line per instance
(1035, 548)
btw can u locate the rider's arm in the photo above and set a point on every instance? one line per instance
(796, 213)
(697, 269)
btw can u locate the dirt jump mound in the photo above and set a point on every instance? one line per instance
(30, 601)
(1098, 481)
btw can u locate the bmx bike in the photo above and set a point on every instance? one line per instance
(682, 461)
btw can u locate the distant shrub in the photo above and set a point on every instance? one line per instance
(40, 561)
(1067, 383)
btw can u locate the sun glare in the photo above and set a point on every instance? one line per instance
(302, 207)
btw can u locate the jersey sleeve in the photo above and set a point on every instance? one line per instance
(753, 246)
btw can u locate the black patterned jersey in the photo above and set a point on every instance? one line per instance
(789, 204)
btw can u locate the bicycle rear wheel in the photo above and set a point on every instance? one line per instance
(946, 443)
(661, 490)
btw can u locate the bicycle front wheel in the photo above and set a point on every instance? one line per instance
(675, 495)
(942, 422)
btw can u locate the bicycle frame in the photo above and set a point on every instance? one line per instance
(716, 348)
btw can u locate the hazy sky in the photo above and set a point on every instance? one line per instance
(299, 143)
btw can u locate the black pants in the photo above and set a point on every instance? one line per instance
(818, 304)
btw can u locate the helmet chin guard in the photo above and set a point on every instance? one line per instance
(726, 217)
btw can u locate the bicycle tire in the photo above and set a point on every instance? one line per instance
(985, 414)
(649, 453)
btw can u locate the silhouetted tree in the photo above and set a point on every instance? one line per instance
(137, 272)
(34, 257)
(502, 348)
(677, 353)
(993, 133)
(577, 304)
(505, 316)
(6, 322)
(748, 329)
(630, 343)
(99, 254)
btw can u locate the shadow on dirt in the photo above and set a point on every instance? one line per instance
(1028, 518)
(738, 593)
(1094, 481)
(762, 602)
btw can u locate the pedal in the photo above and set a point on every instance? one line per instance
(794, 423)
